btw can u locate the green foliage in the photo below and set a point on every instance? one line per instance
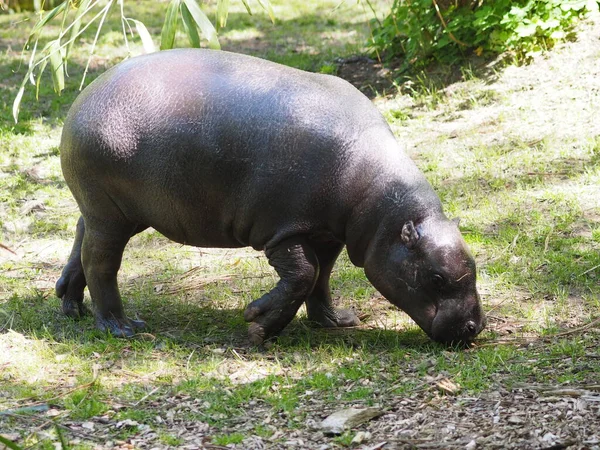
(422, 30)
(85, 404)
(226, 439)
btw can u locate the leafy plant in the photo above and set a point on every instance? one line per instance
(226, 439)
(422, 30)
(58, 49)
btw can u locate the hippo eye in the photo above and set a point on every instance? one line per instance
(438, 280)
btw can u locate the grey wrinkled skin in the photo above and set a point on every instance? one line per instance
(214, 149)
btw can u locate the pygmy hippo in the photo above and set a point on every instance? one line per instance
(216, 149)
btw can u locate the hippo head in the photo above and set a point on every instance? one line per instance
(427, 271)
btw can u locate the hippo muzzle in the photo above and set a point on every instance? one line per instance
(455, 324)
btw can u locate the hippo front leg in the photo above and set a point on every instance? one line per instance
(101, 255)
(319, 306)
(298, 268)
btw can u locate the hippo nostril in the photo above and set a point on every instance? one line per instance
(471, 327)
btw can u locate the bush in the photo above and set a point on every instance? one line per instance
(448, 30)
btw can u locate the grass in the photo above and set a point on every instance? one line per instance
(526, 197)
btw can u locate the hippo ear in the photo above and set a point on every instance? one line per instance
(409, 236)
(456, 220)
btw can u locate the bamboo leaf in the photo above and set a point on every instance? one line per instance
(31, 64)
(42, 63)
(266, 5)
(144, 36)
(9, 444)
(57, 66)
(247, 5)
(190, 26)
(207, 28)
(222, 12)
(103, 13)
(167, 37)
(44, 20)
(76, 25)
(15, 111)
(40, 72)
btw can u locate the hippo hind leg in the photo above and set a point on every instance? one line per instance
(319, 305)
(101, 254)
(297, 266)
(72, 282)
(70, 285)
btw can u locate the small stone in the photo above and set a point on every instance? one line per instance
(549, 437)
(345, 419)
(515, 420)
(127, 423)
(361, 437)
(448, 386)
(32, 206)
(88, 425)
(472, 445)
(311, 424)
(450, 428)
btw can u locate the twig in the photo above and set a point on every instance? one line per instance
(70, 391)
(145, 397)
(7, 248)
(528, 340)
(377, 446)
(546, 174)
(439, 14)
(589, 270)
(560, 446)
(591, 324)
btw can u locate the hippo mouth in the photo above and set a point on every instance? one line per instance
(456, 329)
(444, 327)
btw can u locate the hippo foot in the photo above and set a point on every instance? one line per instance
(123, 327)
(69, 288)
(257, 333)
(264, 326)
(266, 319)
(74, 308)
(335, 318)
